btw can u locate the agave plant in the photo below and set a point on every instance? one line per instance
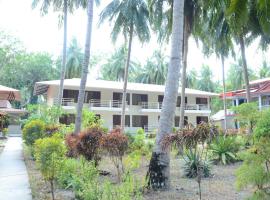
(195, 166)
(224, 149)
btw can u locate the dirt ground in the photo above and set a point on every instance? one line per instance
(221, 186)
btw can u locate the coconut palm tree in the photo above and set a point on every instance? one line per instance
(63, 6)
(159, 168)
(161, 19)
(155, 70)
(264, 71)
(191, 79)
(78, 120)
(131, 18)
(74, 60)
(114, 68)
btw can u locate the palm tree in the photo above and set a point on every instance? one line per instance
(63, 6)
(159, 168)
(78, 120)
(131, 18)
(191, 79)
(155, 70)
(74, 60)
(114, 68)
(217, 38)
(264, 71)
(161, 18)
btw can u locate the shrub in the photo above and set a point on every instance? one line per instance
(90, 119)
(4, 121)
(71, 141)
(5, 132)
(224, 149)
(32, 131)
(116, 144)
(194, 165)
(89, 144)
(48, 153)
(52, 129)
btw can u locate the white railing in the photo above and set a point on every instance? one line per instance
(105, 103)
(158, 105)
(65, 101)
(149, 129)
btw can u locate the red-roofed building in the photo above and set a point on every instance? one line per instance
(259, 90)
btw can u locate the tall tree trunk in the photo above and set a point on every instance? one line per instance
(159, 168)
(245, 69)
(64, 58)
(78, 120)
(224, 93)
(124, 96)
(183, 75)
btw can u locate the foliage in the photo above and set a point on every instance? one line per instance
(89, 119)
(255, 169)
(33, 130)
(51, 129)
(194, 165)
(262, 128)
(89, 144)
(48, 153)
(4, 121)
(224, 149)
(247, 114)
(30, 67)
(48, 114)
(4, 132)
(114, 68)
(155, 69)
(116, 144)
(205, 82)
(71, 141)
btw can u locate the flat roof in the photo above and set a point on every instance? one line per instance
(103, 84)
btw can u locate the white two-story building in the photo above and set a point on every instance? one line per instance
(144, 102)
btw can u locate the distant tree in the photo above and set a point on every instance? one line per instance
(114, 67)
(192, 79)
(205, 81)
(130, 17)
(155, 70)
(74, 60)
(264, 71)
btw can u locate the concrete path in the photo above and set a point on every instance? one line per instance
(14, 183)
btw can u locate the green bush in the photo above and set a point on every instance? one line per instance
(48, 153)
(194, 165)
(33, 130)
(224, 149)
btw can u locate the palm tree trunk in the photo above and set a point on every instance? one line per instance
(183, 75)
(224, 93)
(245, 69)
(63, 69)
(78, 120)
(123, 113)
(159, 168)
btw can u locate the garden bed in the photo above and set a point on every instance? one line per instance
(39, 188)
(220, 186)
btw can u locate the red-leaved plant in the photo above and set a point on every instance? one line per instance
(116, 144)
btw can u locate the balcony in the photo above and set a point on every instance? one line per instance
(106, 105)
(189, 108)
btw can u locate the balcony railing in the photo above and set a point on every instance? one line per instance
(158, 105)
(106, 103)
(65, 101)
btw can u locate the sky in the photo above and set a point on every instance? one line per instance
(42, 33)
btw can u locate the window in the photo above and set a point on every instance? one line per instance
(117, 120)
(139, 121)
(201, 119)
(91, 95)
(201, 100)
(177, 121)
(138, 98)
(72, 94)
(178, 102)
(117, 96)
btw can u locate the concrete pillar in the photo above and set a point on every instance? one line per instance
(260, 102)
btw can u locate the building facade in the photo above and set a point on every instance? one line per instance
(143, 102)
